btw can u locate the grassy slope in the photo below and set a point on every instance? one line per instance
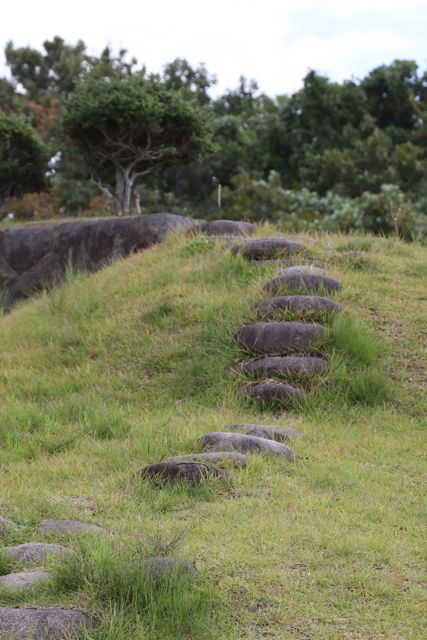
(127, 366)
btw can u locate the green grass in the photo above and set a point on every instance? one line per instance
(127, 366)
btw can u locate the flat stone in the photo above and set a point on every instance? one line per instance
(229, 240)
(34, 552)
(278, 338)
(311, 282)
(6, 527)
(280, 434)
(161, 568)
(42, 623)
(310, 305)
(283, 366)
(65, 527)
(301, 268)
(244, 443)
(271, 393)
(217, 457)
(24, 580)
(191, 472)
(226, 228)
(268, 248)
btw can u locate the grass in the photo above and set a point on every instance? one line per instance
(125, 367)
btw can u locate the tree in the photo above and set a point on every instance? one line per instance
(23, 161)
(129, 127)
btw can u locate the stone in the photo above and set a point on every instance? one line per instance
(280, 434)
(161, 568)
(310, 305)
(272, 393)
(228, 441)
(191, 472)
(311, 282)
(278, 338)
(301, 268)
(65, 527)
(50, 623)
(7, 527)
(283, 366)
(226, 228)
(33, 256)
(24, 580)
(228, 240)
(34, 552)
(268, 248)
(213, 457)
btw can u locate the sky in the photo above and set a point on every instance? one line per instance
(274, 42)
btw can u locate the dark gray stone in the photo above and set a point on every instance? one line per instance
(50, 623)
(214, 457)
(34, 256)
(245, 444)
(34, 552)
(191, 472)
(283, 366)
(24, 580)
(310, 282)
(268, 248)
(7, 527)
(226, 228)
(273, 393)
(313, 305)
(65, 527)
(163, 568)
(277, 338)
(280, 434)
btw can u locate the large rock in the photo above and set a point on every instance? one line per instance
(273, 393)
(34, 256)
(298, 282)
(191, 472)
(226, 228)
(34, 552)
(245, 444)
(315, 306)
(279, 338)
(214, 457)
(66, 527)
(268, 248)
(280, 434)
(24, 580)
(7, 527)
(283, 366)
(42, 623)
(163, 568)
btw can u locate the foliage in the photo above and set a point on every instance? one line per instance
(128, 127)
(22, 158)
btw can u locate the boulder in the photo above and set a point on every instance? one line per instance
(311, 282)
(6, 527)
(24, 580)
(279, 338)
(49, 623)
(245, 444)
(273, 393)
(162, 568)
(283, 366)
(299, 305)
(191, 472)
(214, 457)
(35, 256)
(66, 527)
(34, 552)
(226, 228)
(280, 434)
(268, 248)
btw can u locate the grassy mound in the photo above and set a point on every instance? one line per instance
(127, 366)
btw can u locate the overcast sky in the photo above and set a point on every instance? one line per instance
(273, 41)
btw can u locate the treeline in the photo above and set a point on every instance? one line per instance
(332, 155)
